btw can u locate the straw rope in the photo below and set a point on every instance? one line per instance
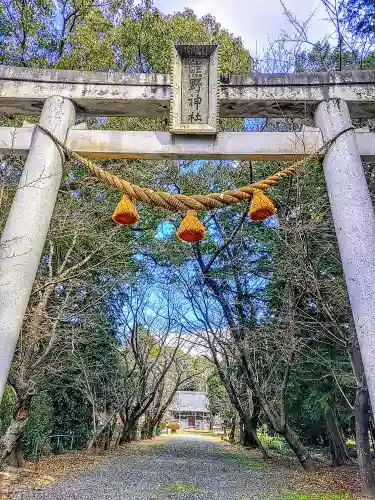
(181, 202)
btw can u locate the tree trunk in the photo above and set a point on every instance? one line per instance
(146, 431)
(235, 330)
(279, 423)
(97, 436)
(149, 424)
(361, 410)
(248, 439)
(299, 449)
(294, 442)
(371, 426)
(126, 435)
(256, 412)
(362, 417)
(13, 434)
(336, 442)
(109, 436)
(249, 436)
(129, 432)
(149, 430)
(17, 459)
(232, 431)
(134, 434)
(92, 443)
(234, 399)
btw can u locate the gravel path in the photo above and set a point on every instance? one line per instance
(185, 467)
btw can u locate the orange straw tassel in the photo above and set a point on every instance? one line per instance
(261, 206)
(125, 213)
(191, 228)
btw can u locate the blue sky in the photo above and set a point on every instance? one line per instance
(255, 20)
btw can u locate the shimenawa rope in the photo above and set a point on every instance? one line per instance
(126, 213)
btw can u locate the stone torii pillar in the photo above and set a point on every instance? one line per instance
(354, 220)
(27, 225)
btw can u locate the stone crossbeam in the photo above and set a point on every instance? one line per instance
(24, 91)
(161, 145)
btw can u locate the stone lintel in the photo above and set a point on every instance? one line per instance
(24, 91)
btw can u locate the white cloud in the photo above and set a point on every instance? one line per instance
(255, 21)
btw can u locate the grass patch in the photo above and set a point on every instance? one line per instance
(249, 462)
(253, 464)
(314, 496)
(183, 488)
(275, 443)
(223, 452)
(205, 433)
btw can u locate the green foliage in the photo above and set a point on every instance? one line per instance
(7, 407)
(83, 35)
(324, 57)
(39, 426)
(72, 413)
(369, 62)
(275, 443)
(93, 368)
(215, 392)
(183, 488)
(99, 44)
(241, 459)
(218, 399)
(314, 496)
(253, 464)
(308, 404)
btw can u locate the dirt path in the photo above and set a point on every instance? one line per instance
(174, 467)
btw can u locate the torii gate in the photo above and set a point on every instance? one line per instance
(195, 98)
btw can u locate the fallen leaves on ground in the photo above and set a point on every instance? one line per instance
(336, 479)
(47, 470)
(343, 479)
